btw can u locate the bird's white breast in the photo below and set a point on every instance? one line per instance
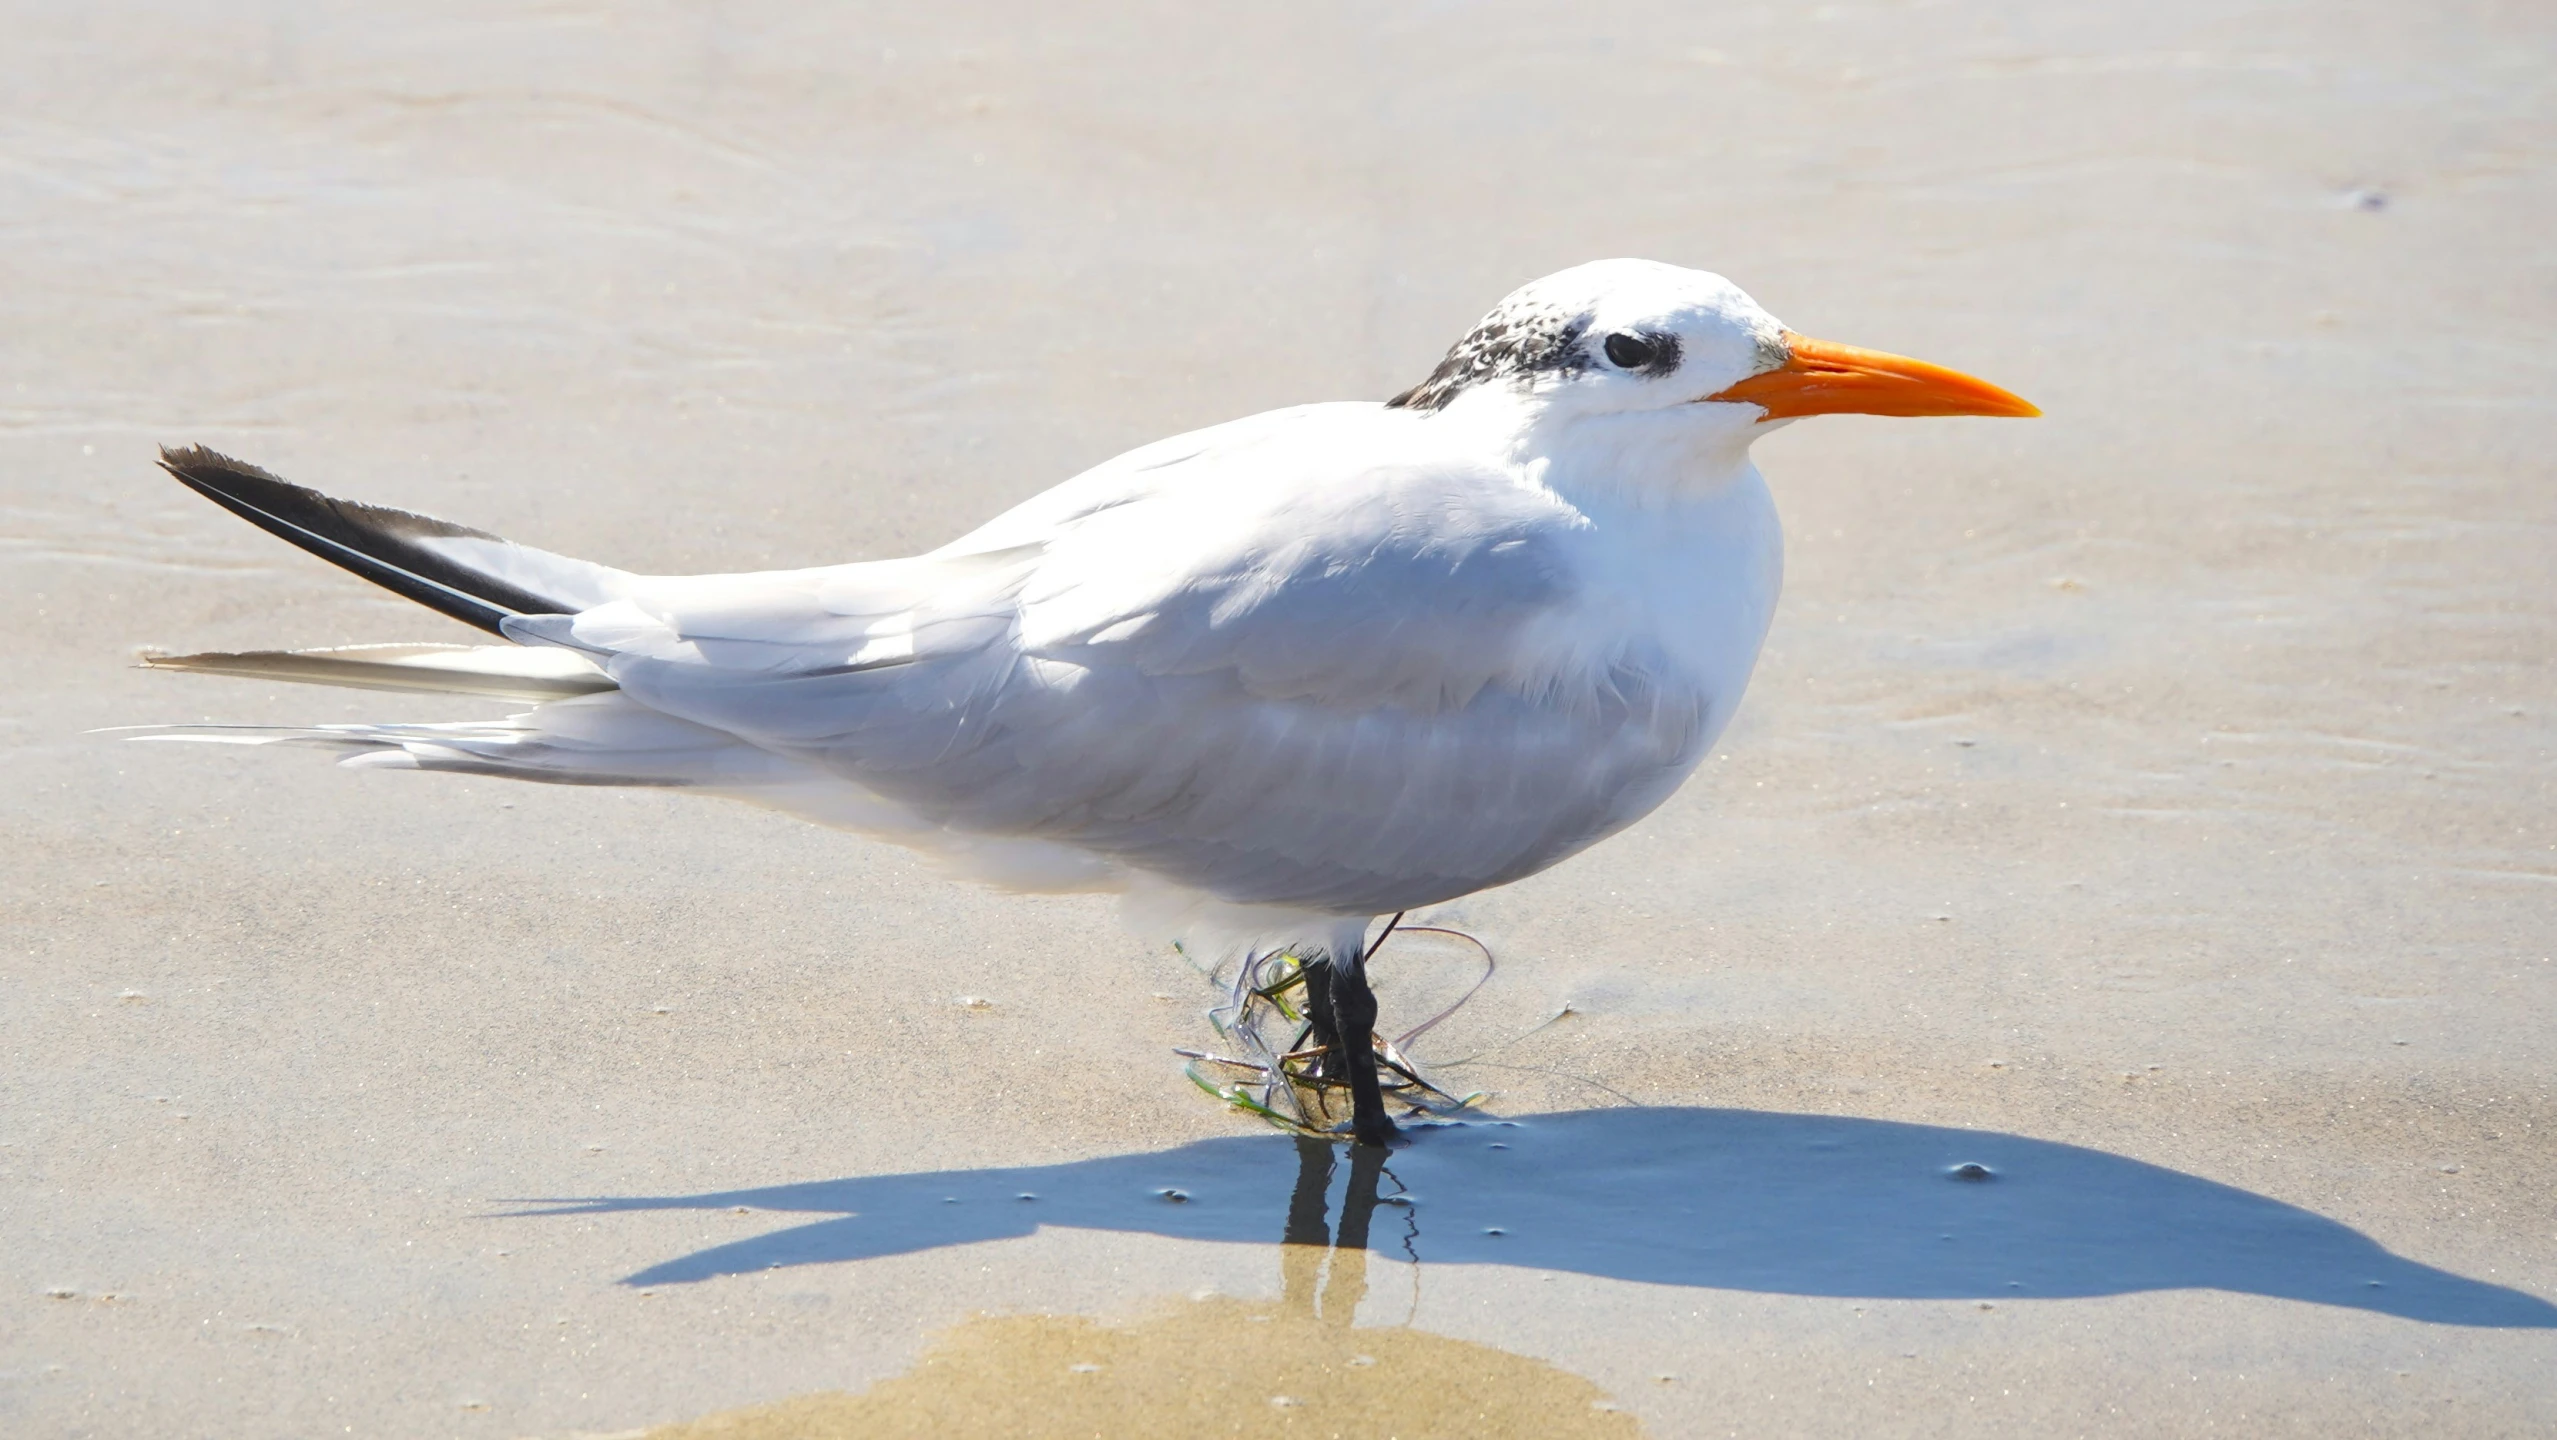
(1691, 579)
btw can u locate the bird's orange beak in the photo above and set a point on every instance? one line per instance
(1824, 378)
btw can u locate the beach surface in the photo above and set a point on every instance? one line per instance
(2103, 984)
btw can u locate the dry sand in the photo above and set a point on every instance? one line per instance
(2161, 789)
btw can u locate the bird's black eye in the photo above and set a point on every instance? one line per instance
(1631, 352)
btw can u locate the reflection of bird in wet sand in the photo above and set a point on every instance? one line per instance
(1272, 679)
(1213, 1364)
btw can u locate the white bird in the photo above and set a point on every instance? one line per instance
(1274, 679)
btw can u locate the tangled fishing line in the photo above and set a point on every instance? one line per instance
(1289, 1084)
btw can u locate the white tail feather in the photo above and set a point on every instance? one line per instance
(506, 672)
(610, 739)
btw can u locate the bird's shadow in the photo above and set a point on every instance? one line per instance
(1731, 1199)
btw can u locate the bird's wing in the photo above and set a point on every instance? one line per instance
(1248, 661)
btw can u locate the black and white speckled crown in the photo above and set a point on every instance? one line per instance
(1525, 335)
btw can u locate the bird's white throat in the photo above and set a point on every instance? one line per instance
(1643, 458)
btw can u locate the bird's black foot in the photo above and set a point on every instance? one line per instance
(1376, 1129)
(1340, 1042)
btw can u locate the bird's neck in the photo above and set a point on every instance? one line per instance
(1649, 461)
(1633, 460)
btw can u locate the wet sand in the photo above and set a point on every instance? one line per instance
(2149, 803)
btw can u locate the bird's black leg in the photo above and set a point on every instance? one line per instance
(1326, 1033)
(1354, 1019)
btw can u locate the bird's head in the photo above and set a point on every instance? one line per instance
(1636, 337)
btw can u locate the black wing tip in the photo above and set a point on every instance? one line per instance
(224, 479)
(374, 541)
(187, 462)
(228, 482)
